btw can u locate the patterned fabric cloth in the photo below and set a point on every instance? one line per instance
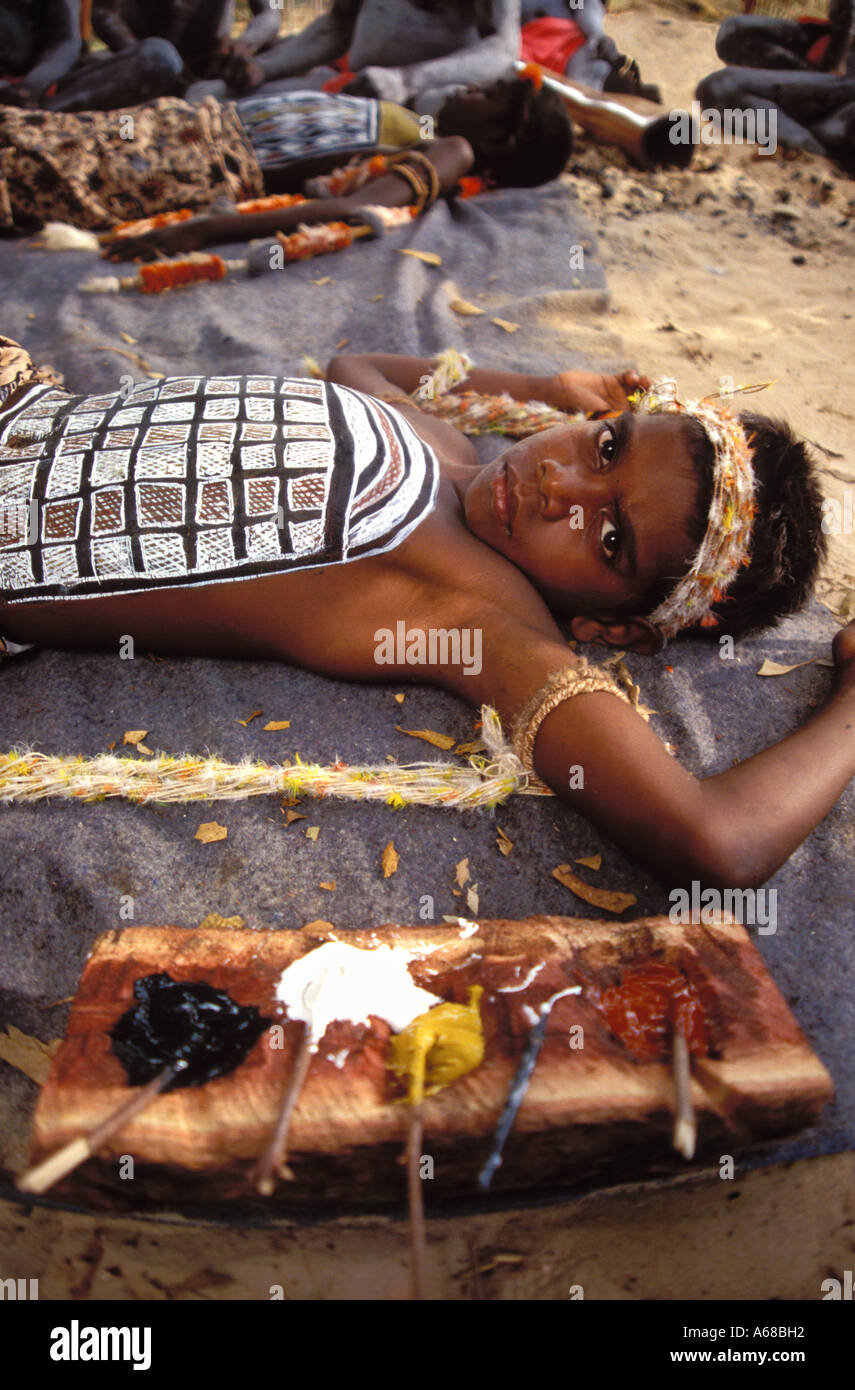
(97, 168)
(290, 126)
(195, 480)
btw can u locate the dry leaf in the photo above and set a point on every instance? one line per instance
(291, 816)
(400, 699)
(273, 724)
(476, 745)
(135, 738)
(503, 841)
(312, 832)
(128, 339)
(324, 280)
(774, 668)
(250, 717)
(330, 887)
(320, 923)
(472, 898)
(597, 897)
(156, 376)
(29, 1055)
(375, 297)
(462, 306)
(214, 919)
(504, 323)
(390, 860)
(430, 736)
(209, 831)
(342, 343)
(593, 861)
(461, 873)
(429, 257)
(311, 368)
(123, 352)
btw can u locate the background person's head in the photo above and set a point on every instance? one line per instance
(521, 137)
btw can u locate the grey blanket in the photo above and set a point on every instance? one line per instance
(72, 871)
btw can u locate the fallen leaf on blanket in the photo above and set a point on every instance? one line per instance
(592, 861)
(343, 342)
(461, 873)
(597, 897)
(31, 316)
(455, 893)
(156, 376)
(250, 717)
(312, 832)
(774, 668)
(472, 898)
(330, 887)
(123, 352)
(376, 297)
(54, 1003)
(209, 831)
(400, 699)
(390, 859)
(476, 745)
(462, 306)
(273, 725)
(320, 923)
(126, 337)
(430, 736)
(504, 843)
(291, 816)
(135, 738)
(429, 257)
(324, 280)
(29, 1055)
(310, 367)
(504, 323)
(214, 919)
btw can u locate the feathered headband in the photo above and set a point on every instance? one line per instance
(726, 546)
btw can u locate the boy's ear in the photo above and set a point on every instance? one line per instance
(633, 634)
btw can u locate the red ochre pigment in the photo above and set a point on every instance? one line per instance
(650, 1004)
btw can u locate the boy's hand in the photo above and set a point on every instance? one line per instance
(590, 393)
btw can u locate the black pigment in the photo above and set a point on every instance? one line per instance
(180, 1020)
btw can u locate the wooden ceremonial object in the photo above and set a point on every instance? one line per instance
(641, 128)
(591, 1115)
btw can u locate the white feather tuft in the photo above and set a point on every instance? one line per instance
(59, 236)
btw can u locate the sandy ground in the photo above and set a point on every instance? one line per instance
(742, 266)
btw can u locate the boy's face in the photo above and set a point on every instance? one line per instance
(594, 513)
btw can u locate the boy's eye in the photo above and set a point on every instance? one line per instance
(609, 538)
(607, 445)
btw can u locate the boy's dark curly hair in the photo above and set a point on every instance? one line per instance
(788, 543)
(540, 140)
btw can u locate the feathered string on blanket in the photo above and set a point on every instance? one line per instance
(485, 780)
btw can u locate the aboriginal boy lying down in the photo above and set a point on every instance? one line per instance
(293, 520)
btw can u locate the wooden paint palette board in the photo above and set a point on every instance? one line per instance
(593, 1114)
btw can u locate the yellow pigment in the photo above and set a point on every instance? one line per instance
(439, 1046)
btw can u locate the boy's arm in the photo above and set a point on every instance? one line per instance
(570, 391)
(734, 829)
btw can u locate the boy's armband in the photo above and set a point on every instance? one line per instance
(562, 685)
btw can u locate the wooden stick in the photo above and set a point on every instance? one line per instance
(274, 1157)
(416, 1202)
(685, 1124)
(72, 1154)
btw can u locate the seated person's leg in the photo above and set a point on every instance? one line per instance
(18, 45)
(754, 89)
(757, 41)
(837, 133)
(109, 82)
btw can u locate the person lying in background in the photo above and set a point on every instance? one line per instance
(81, 170)
(303, 521)
(802, 70)
(200, 31)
